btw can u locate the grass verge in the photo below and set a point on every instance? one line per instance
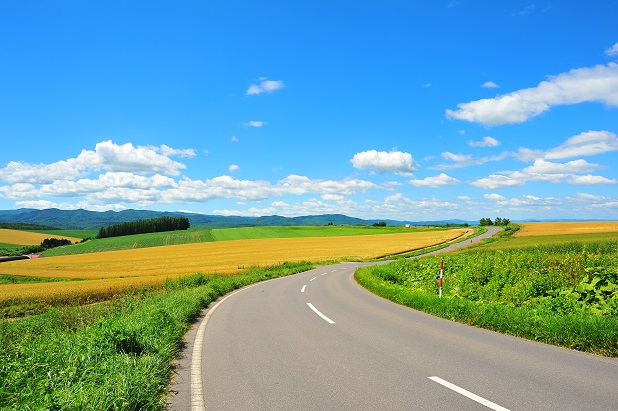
(110, 356)
(593, 334)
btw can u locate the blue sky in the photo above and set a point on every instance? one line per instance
(392, 109)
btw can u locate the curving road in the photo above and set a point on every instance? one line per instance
(319, 341)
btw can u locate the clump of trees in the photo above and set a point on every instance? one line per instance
(498, 221)
(35, 249)
(152, 225)
(380, 224)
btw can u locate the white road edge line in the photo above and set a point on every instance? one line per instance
(325, 318)
(313, 278)
(197, 390)
(468, 394)
(302, 290)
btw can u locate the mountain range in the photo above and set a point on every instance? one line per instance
(93, 220)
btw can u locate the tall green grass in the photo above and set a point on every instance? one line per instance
(109, 356)
(562, 294)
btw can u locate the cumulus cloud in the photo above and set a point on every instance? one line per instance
(106, 156)
(612, 51)
(589, 180)
(486, 142)
(542, 170)
(256, 124)
(233, 167)
(585, 144)
(435, 181)
(265, 86)
(489, 84)
(589, 84)
(396, 162)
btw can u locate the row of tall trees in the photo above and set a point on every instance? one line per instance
(498, 221)
(152, 225)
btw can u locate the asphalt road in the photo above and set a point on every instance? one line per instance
(319, 341)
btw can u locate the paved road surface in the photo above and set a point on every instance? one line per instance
(319, 341)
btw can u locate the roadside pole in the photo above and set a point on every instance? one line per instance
(441, 272)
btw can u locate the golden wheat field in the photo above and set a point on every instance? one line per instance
(148, 266)
(19, 237)
(562, 228)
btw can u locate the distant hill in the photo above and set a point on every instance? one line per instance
(93, 220)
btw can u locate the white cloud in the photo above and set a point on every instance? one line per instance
(332, 197)
(17, 172)
(490, 84)
(486, 142)
(396, 162)
(234, 139)
(169, 151)
(590, 84)
(495, 181)
(106, 156)
(547, 171)
(435, 181)
(465, 160)
(585, 144)
(265, 86)
(571, 167)
(493, 197)
(256, 124)
(233, 167)
(590, 180)
(612, 51)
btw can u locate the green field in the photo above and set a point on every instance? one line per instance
(201, 234)
(193, 235)
(249, 233)
(68, 233)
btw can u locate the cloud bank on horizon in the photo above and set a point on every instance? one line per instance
(341, 130)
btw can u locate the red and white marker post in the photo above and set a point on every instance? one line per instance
(441, 272)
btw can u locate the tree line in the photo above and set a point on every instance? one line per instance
(152, 225)
(498, 221)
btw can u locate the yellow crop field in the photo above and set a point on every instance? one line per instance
(19, 237)
(538, 229)
(148, 266)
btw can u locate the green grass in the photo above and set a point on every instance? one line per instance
(109, 356)
(560, 293)
(68, 233)
(193, 235)
(9, 249)
(18, 279)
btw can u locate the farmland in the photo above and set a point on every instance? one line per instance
(116, 354)
(201, 234)
(108, 273)
(542, 234)
(566, 228)
(18, 237)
